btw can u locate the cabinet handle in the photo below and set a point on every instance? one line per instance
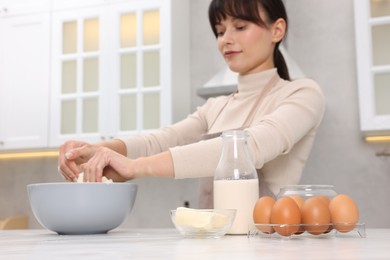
(103, 138)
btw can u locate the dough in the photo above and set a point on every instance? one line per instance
(81, 177)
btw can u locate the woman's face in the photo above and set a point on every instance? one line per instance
(246, 47)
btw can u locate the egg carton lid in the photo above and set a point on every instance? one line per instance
(354, 230)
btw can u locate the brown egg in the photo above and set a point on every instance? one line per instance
(262, 213)
(344, 213)
(315, 211)
(299, 200)
(326, 200)
(286, 211)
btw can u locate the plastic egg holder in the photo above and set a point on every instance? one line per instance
(306, 192)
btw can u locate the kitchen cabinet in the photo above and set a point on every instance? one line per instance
(91, 70)
(372, 23)
(114, 69)
(62, 5)
(10, 8)
(24, 76)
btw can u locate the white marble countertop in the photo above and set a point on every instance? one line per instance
(169, 244)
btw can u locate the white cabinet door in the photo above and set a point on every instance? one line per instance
(115, 70)
(139, 89)
(24, 80)
(77, 64)
(372, 23)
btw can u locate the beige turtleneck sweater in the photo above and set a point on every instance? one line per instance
(280, 136)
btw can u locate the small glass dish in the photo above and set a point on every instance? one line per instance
(203, 223)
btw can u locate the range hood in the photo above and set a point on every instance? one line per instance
(225, 81)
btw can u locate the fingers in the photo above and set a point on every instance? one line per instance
(104, 162)
(68, 169)
(93, 169)
(66, 177)
(92, 172)
(72, 153)
(96, 161)
(79, 154)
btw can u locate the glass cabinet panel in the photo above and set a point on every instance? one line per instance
(382, 93)
(128, 113)
(151, 27)
(91, 35)
(380, 44)
(128, 71)
(69, 77)
(133, 77)
(68, 116)
(380, 38)
(380, 8)
(151, 108)
(128, 30)
(91, 75)
(69, 36)
(151, 69)
(90, 115)
(79, 83)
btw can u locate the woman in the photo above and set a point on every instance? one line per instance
(280, 116)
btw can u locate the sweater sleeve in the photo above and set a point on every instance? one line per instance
(287, 117)
(298, 114)
(293, 115)
(187, 131)
(196, 160)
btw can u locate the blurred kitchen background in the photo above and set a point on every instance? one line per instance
(63, 73)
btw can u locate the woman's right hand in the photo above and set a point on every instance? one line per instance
(72, 155)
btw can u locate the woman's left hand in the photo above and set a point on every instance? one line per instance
(106, 162)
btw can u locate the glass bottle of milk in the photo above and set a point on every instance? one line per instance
(236, 185)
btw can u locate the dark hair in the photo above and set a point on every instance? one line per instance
(248, 10)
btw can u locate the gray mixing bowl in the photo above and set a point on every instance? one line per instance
(81, 208)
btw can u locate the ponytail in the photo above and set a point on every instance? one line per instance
(281, 64)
